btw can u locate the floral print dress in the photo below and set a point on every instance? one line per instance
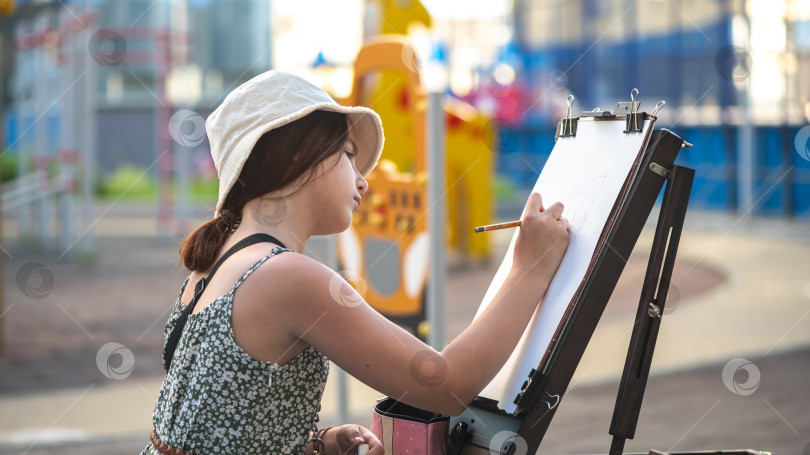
(217, 399)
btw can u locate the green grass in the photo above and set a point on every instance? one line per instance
(205, 190)
(130, 184)
(8, 167)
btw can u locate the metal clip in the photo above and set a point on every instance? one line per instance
(658, 107)
(556, 401)
(568, 125)
(635, 119)
(660, 170)
(654, 311)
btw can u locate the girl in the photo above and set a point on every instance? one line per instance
(246, 369)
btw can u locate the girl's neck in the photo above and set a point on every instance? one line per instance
(286, 236)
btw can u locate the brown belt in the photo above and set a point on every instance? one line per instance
(166, 449)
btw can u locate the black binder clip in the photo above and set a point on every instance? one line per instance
(568, 125)
(635, 119)
(530, 394)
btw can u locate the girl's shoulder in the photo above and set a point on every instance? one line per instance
(290, 263)
(292, 272)
(282, 294)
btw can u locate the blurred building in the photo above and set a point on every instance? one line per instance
(156, 57)
(734, 75)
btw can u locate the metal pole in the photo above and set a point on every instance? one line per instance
(182, 164)
(343, 396)
(40, 133)
(790, 93)
(88, 142)
(67, 128)
(435, 191)
(23, 106)
(342, 415)
(745, 144)
(163, 112)
(178, 24)
(3, 142)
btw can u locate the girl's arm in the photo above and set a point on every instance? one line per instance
(321, 309)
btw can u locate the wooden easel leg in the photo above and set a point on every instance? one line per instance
(617, 445)
(651, 306)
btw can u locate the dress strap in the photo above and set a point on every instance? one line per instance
(256, 265)
(183, 287)
(177, 331)
(247, 241)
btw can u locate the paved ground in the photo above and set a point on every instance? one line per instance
(741, 290)
(688, 410)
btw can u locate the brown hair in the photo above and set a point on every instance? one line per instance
(280, 157)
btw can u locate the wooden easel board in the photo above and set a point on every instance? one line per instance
(555, 357)
(586, 174)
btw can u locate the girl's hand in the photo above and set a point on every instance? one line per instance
(343, 440)
(542, 239)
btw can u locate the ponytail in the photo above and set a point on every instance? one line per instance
(200, 249)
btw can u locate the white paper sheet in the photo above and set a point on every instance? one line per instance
(586, 174)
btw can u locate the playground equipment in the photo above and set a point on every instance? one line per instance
(400, 102)
(52, 124)
(54, 69)
(387, 246)
(395, 16)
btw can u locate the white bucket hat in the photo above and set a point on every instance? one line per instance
(270, 100)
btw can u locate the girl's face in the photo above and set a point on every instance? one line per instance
(338, 192)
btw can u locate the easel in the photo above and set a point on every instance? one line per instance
(651, 306)
(478, 429)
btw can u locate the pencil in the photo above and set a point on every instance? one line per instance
(494, 227)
